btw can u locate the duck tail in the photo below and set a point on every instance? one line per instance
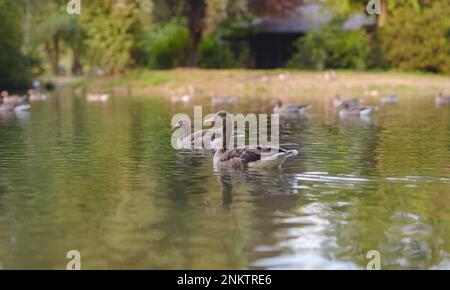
(288, 153)
(368, 111)
(304, 109)
(23, 107)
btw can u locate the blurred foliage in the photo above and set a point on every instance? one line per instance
(328, 47)
(226, 45)
(14, 70)
(164, 48)
(418, 39)
(112, 36)
(226, 14)
(217, 53)
(112, 28)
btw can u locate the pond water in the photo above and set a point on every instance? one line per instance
(103, 179)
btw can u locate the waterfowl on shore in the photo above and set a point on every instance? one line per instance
(349, 111)
(36, 96)
(329, 75)
(97, 97)
(389, 99)
(235, 159)
(290, 109)
(441, 99)
(181, 99)
(371, 93)
(221, 101)
(338, 102)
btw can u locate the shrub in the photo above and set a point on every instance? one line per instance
(328, 47)
(217, 53)
(165, 48)
(415, 39)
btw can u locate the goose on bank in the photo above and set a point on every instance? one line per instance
(97, 97)
(290, 109)
(389, 100)
(235, 159)
(223, 101)
(442, 100)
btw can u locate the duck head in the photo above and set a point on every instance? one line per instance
(226, 125)
(278, 103)
(180, 124)
(224, 116)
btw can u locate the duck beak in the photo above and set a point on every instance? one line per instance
(210, 122)
(176, 126)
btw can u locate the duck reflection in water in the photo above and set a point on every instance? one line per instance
(256, 184)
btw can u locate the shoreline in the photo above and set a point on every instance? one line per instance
(265, 83)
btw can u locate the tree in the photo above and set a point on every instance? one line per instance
(418, 38)
(48, 26)
(14, 71)
(191, 12)
(343, 8)
(112, 28)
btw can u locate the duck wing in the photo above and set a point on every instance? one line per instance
(247, 155)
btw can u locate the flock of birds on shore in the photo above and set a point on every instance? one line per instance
(261, 157)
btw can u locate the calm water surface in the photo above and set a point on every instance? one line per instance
(104, 180)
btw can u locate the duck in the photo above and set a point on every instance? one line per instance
(181, 99)
(218, 101)
(389, 99)
(97, 97)
(209, 139)
(290, 109)
(10, 103)
(349, 111)
(10, 99)
(441, 99)
(329, 75)
(188, 140)
(338, 102)
(371, 93)
(238, 159)
(36, 96)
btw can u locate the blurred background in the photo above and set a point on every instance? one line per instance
(113, 36)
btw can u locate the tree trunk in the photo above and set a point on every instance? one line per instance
(193, 56)
(77, 67)
(55, 62)
(53, 52)
(382, 16)
(197, 14)
(26, 27)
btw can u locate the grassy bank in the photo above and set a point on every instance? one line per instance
(273, 83)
